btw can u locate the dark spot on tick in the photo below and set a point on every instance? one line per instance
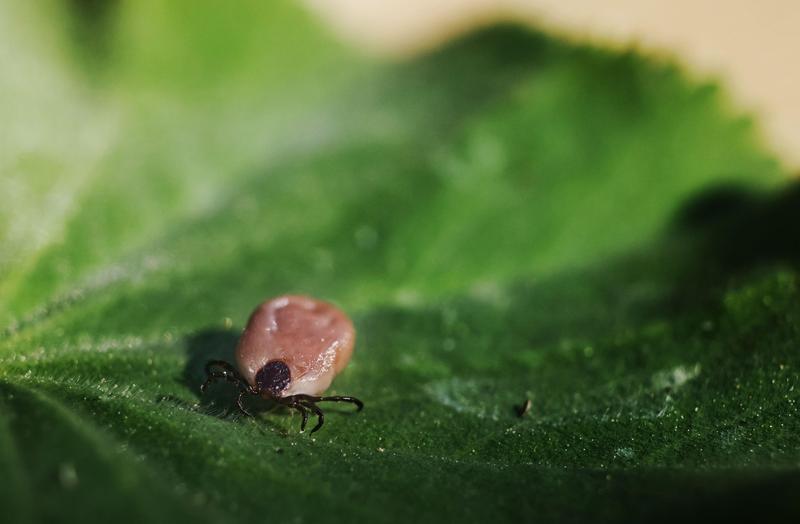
(274, 377)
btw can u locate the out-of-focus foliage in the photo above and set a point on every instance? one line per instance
(510, 217)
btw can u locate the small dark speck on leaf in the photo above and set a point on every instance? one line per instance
(523, 408)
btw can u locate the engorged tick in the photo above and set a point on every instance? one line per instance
(289, 353)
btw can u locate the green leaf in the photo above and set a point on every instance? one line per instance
(511, 217)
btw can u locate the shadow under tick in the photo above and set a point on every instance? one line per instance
(205, 345)
(202, 346)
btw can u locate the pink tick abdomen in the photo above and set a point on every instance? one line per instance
(313, 338)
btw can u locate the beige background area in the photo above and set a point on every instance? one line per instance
(752, 46)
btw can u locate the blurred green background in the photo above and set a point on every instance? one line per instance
(509, 217)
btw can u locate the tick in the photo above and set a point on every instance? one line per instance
(289, 352)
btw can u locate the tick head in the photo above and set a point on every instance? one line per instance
(273, 378)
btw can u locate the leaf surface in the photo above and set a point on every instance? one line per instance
(508, 218)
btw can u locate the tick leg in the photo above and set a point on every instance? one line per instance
(239, 403)
(227, 372)
(293, 402)
(318, 412)
(313, 399)
(304, 403)
(352, 400)
(213, 377)
(227, 368)
(224, 368)
(304, 412)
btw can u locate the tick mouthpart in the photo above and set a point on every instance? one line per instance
(274, 378)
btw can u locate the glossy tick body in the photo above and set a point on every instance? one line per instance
(289, 353)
